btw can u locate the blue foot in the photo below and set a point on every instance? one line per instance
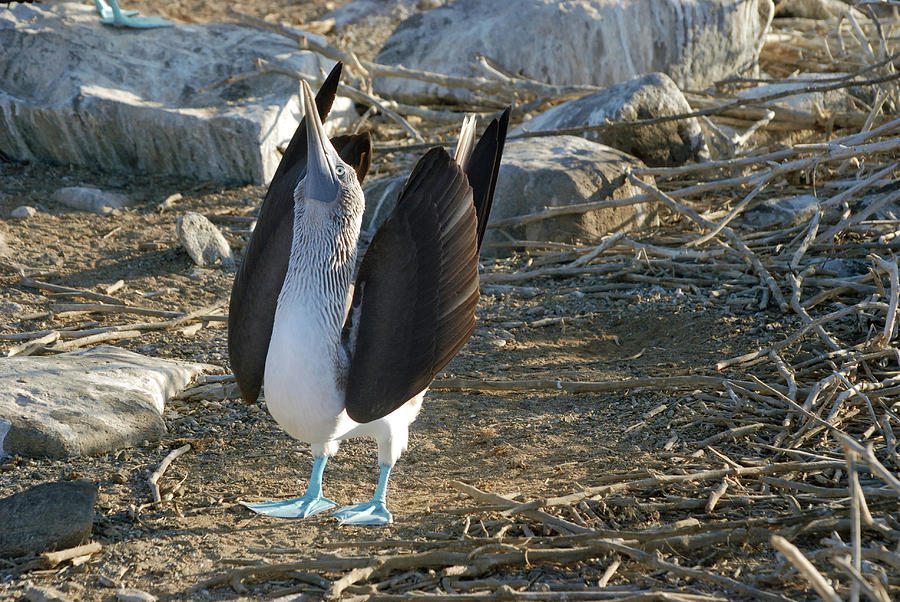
(298, 507)
(107, 13)
(311, 502)
(367, 513)
(124, 18)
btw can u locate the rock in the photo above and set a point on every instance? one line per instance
(840, 267)
(203, 241)
(817, 9)
(141, 102)
(23, 212)
(654, 95)
(833, 101)
(781, 213)
(45, 593)
(381, 198)
(90, 199)
(46, 517)
(10, 307)
(695, 43)
(86, 402)
(365, 11)
(134, 595)
(536, 173)
(556, 171)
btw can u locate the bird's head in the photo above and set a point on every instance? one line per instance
(328, 182)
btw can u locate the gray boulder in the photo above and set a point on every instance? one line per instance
(557, 171)
(86, 402)
(536, 173)
(46, 517)
(203, 241)
(90, 199)
(654, 95)
(596, 42)
(76, 91)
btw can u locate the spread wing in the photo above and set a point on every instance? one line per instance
(415, 295)
(258, 281)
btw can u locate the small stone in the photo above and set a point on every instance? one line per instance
(23, 212)
(90, 199)
(46, 517)
(45, 593)
(203, 241)
(134, 595)
(781, 213)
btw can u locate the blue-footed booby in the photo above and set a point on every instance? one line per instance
(334, 370)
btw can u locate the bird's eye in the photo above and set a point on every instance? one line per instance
(339, 170)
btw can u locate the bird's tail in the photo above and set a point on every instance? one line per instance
(466, 143)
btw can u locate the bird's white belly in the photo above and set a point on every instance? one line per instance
(301, 377)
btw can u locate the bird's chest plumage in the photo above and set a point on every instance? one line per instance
(304, 366)
(306, 363)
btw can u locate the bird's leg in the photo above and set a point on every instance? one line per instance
(311, 502)
(369, 513)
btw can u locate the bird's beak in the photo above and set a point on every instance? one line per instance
(321, 158)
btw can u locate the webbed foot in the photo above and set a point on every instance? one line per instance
(298, 507)
(113, 15)
(366, 513)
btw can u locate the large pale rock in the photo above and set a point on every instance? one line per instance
(557, 171)
(46, 517)
(75, 91)
(86, 402)
(535, 173)
(599, 42)
(203, 241)
(653, 95)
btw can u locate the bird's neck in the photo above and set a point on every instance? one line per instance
(323, 254)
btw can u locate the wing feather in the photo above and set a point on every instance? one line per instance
(416, 291)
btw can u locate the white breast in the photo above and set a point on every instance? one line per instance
(302, 370)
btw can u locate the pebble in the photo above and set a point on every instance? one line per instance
(91, 199)
(134, 595)
(23, 212)
(45, 593)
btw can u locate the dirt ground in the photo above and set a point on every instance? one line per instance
(534, 444)
(526, 443)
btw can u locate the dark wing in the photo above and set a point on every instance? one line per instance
(258, 281)
(484, 167)
(416, 291)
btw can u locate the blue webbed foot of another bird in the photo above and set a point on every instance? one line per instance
(298, 507)
(367, 513)
(113, 15)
